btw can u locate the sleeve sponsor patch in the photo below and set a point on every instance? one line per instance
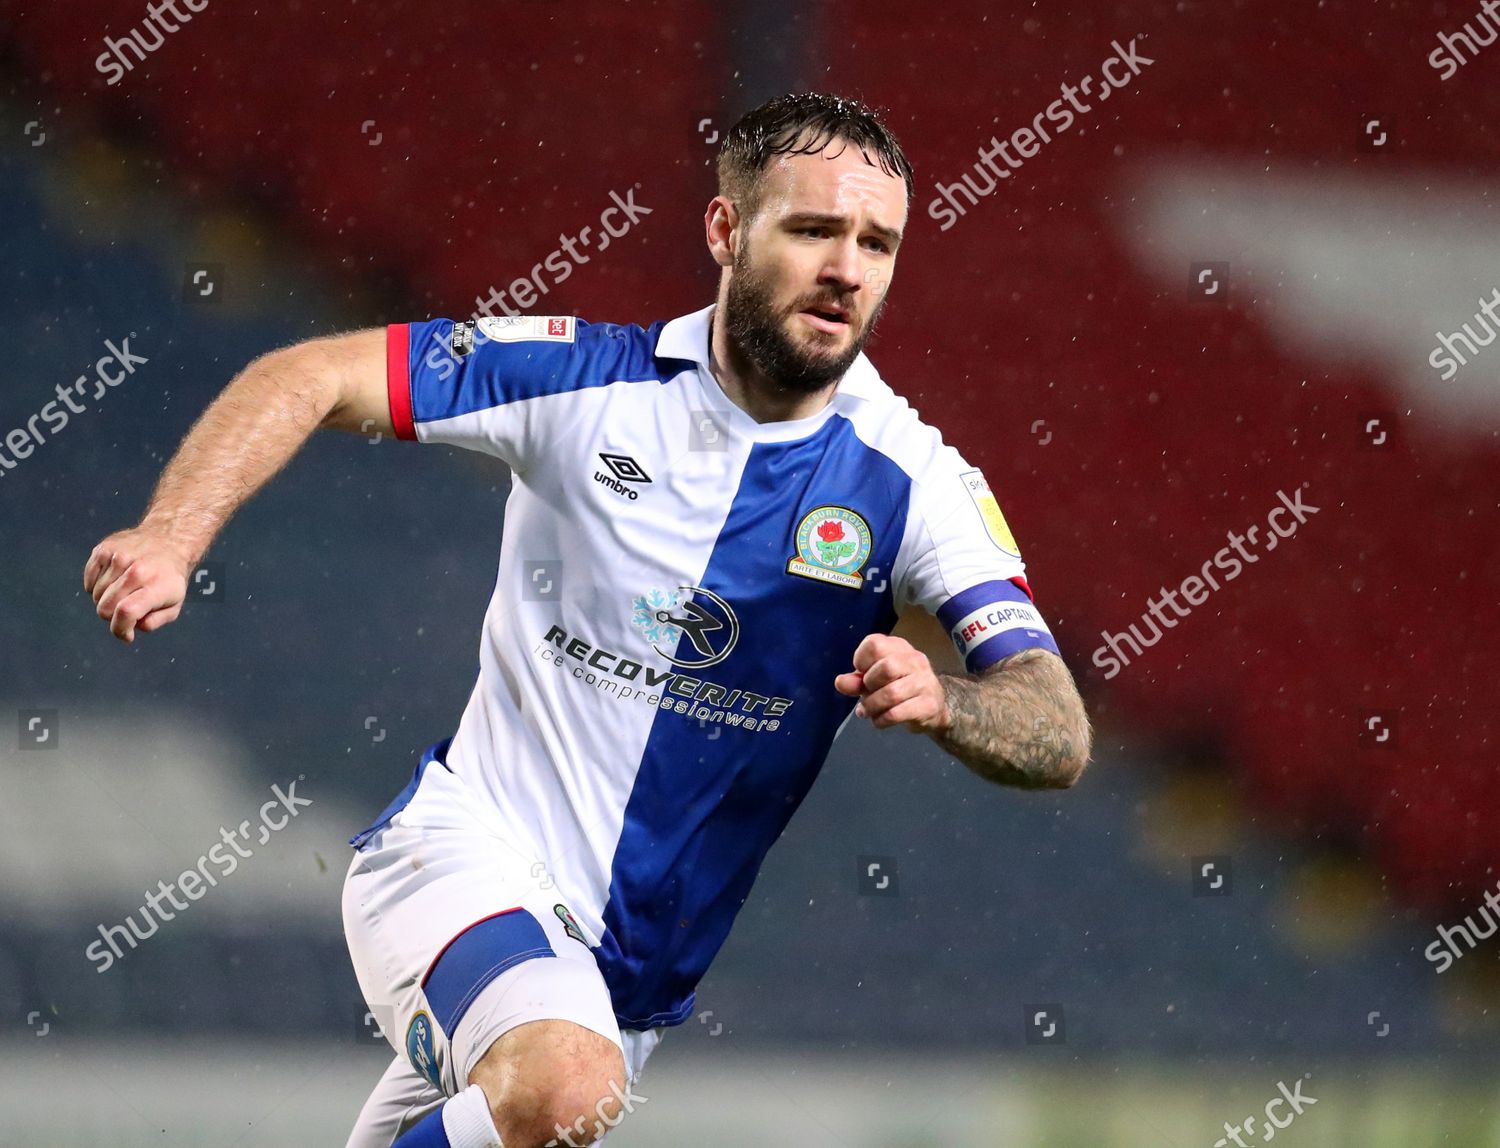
(989, 510)
(524, 328)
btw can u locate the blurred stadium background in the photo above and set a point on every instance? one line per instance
(1322, 730)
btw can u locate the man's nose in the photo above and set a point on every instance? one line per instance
(843, 267)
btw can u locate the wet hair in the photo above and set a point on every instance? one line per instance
(803, 123)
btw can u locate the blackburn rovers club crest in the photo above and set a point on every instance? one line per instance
(833, 544)
(421, 1050)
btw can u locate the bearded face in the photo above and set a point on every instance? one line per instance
(801, 340)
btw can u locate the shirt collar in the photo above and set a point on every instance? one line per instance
(686, 338)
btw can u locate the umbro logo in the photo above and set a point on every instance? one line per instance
(623, 469)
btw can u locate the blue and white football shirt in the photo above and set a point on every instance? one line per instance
(678, 587)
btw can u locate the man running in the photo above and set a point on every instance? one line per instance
(713, 526)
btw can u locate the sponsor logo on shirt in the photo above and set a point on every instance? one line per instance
(711, 625)
(520, 328)
(707, 702)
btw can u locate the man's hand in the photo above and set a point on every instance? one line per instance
(138, 579)
(896, 685)
(1019, 722)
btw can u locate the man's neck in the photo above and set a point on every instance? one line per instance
(748, 388)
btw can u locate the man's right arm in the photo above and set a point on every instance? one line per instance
(138, 577)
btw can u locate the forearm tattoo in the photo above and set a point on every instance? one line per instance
(1019, 723)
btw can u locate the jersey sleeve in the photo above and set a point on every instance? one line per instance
(960, 562)
(468, 383)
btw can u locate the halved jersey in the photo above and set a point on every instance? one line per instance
(678, 587)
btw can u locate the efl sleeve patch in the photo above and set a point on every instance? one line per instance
(989, 512)
(992, 621)
(957, 538)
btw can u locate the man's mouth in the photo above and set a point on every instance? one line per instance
(830, 319)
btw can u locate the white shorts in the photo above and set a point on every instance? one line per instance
(455, 942)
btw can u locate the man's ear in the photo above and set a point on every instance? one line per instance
(927, 634)
(720, 223)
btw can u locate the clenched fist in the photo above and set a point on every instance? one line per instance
(138, 579)
(896, 685)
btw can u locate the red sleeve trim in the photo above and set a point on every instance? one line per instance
(1021, 582)
(398, 378)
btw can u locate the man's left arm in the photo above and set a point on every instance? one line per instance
(1019, 722)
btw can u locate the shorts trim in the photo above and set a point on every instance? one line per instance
(475, 957)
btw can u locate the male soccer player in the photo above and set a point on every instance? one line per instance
(713, 525)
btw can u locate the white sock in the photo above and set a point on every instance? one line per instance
(467, 1120)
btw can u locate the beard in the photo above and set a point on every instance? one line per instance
(758, 330)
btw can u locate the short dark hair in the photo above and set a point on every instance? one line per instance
(803, 123)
